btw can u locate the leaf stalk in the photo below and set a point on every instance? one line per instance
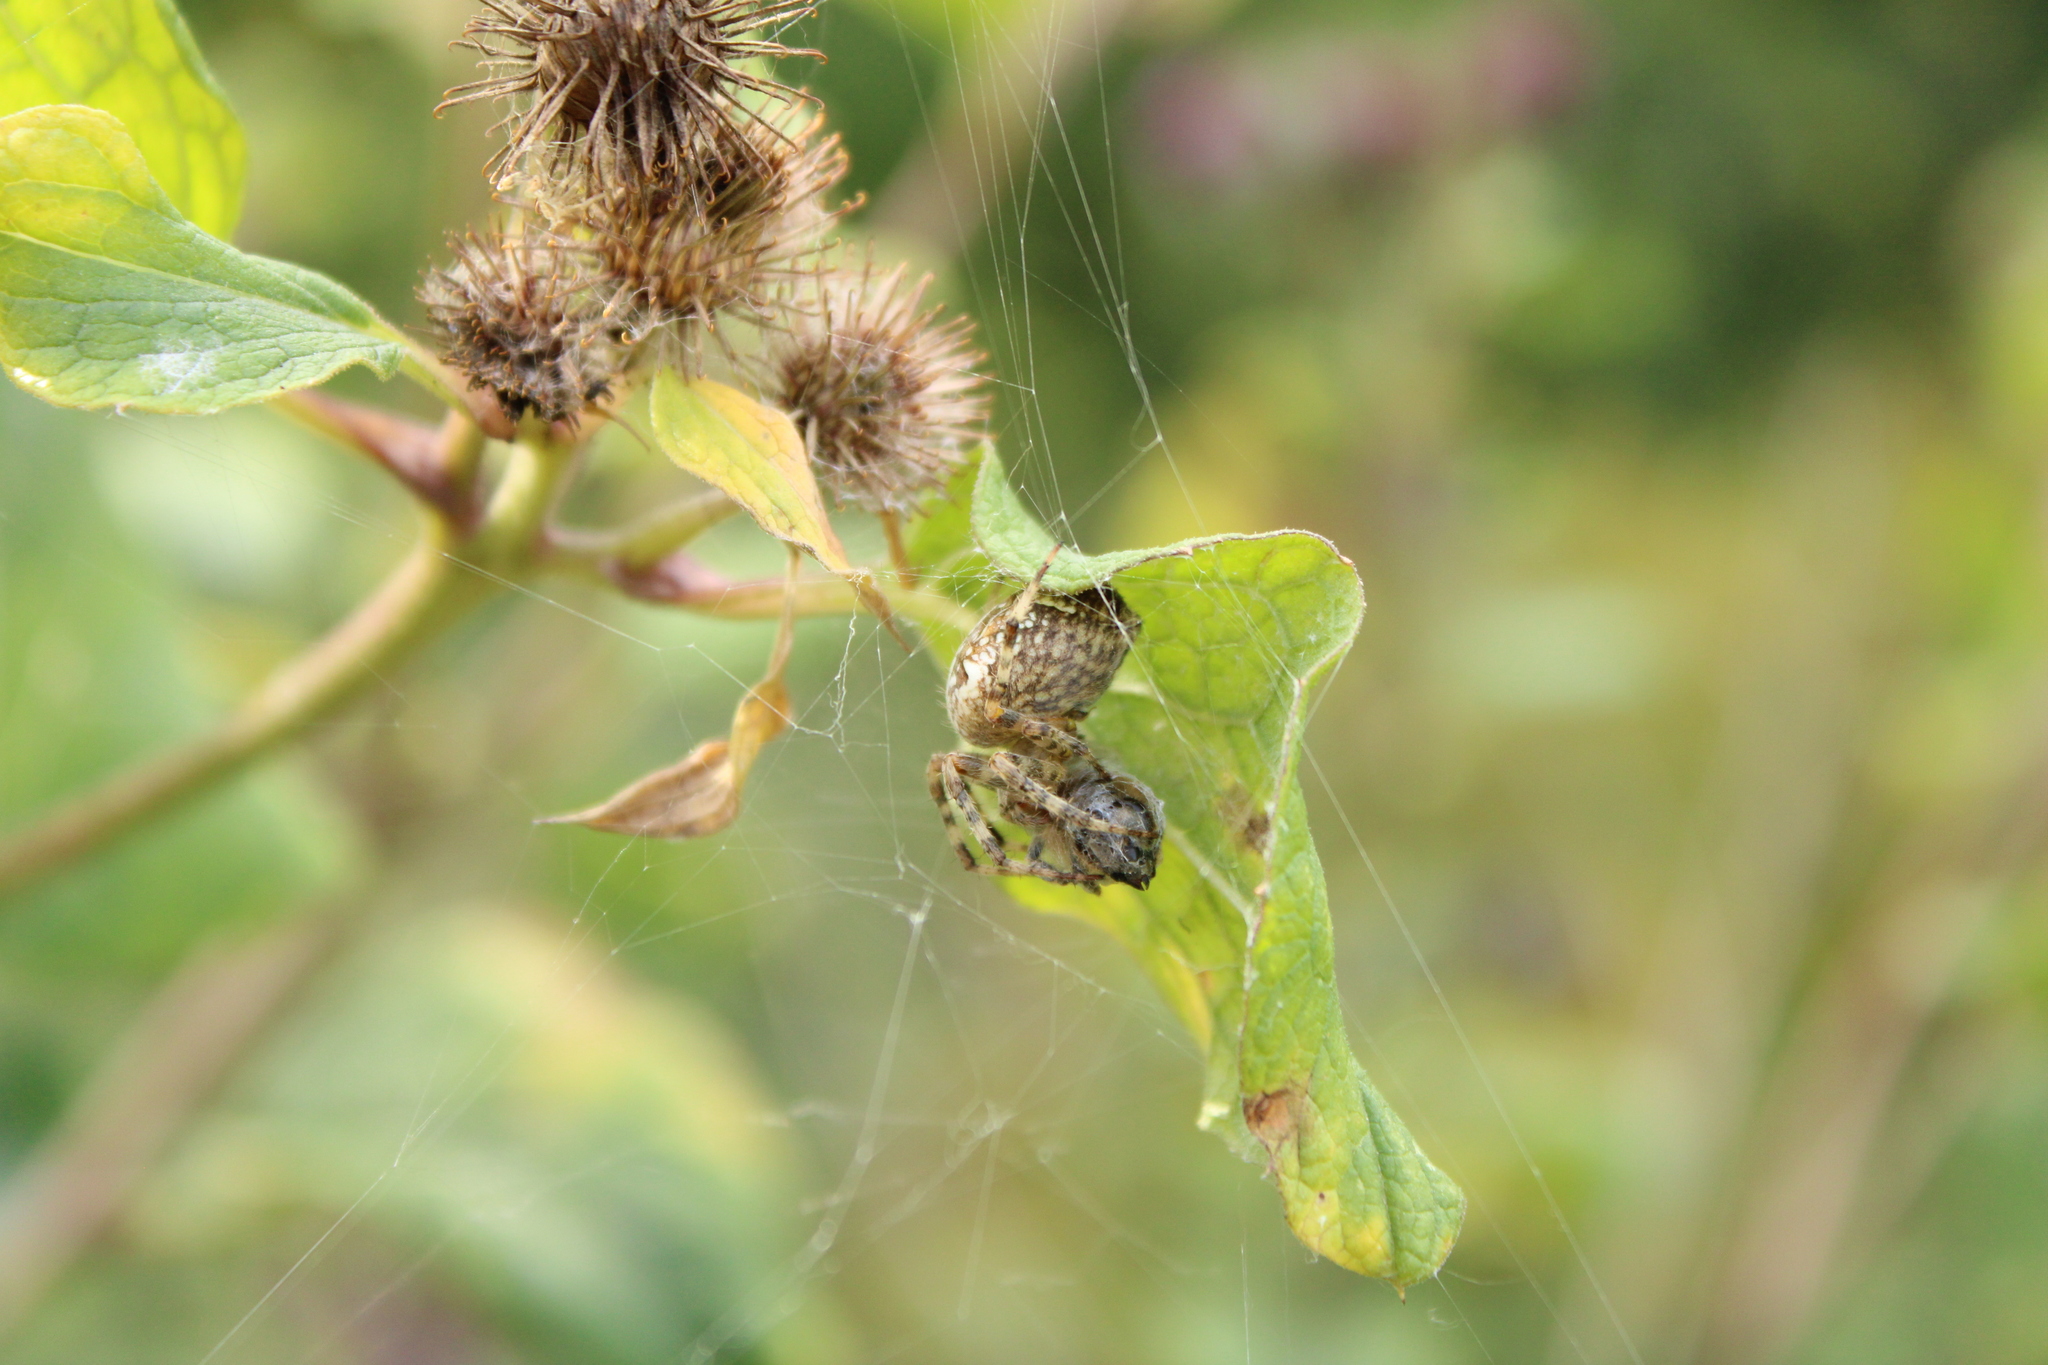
(642, 543)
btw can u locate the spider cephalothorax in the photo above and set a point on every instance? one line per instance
(1021, 683)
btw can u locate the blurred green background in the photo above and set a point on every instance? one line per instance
(1676, 374)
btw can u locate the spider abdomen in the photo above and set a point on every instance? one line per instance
(1052, 664)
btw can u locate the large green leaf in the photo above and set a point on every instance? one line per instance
(1239, 634)
(1017, 544)
(108, 296)
(134, 59)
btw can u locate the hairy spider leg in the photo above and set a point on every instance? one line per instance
(1028, 598)
(955, 775)
(947, 778)
(1061, 743)
(949, 793)
(1013, 778)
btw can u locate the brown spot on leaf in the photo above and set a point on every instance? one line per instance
(1248, 822)
(1271, 1116)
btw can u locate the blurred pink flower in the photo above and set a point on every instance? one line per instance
(1531, 64)
(1199, 120)
(1376, 111)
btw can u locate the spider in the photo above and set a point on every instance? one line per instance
(1024, 678)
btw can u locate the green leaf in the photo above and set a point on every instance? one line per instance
(940, 545)
(136, 60)
(109, 296)
(1239, 634)
(1016, 543)
(940, 540)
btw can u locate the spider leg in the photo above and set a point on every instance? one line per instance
(1063, 745)
(1021, 605)
(1009, 775)
(1060, 839)
(948, 778)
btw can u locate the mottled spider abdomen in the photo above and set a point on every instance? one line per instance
(1051, 663)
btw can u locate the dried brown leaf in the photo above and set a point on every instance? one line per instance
(701, 794)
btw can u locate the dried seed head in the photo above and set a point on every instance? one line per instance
(517, 315)
(608, 89)
(885, 395)
(722, 232)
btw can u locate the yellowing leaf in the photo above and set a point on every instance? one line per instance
(136, 60)
(754, 455)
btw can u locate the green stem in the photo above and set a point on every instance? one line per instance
(462, 451)
(437, 467)
(644, 541)
(431, 586)
(396, 617)
(519, 508)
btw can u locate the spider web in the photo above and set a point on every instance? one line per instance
(994, 1110)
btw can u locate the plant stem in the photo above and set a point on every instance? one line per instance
(298, 694)
(511, 533)
(679, 580)
(899, 554)
(430, 586)
(644, 541)
(437, 467)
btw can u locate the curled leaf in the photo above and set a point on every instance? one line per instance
(1240, 633)
(701, 794)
